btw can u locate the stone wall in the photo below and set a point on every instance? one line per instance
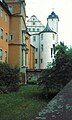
(33, 74)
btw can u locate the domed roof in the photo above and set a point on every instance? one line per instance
(53, 16)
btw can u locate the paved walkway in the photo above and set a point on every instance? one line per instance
(60, 107)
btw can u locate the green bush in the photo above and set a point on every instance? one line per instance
(9, 78)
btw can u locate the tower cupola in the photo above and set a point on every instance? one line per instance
(53, 16)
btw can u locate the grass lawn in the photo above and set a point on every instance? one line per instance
(22, 105)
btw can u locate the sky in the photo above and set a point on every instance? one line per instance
(62, 8)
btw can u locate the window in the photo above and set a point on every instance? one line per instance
(6, 37)
(51, 52)
(38, 29)
(36, 61)
(34, 38)
(36, 49)
(0, 54)
(1, 33)
(29, 29)
(5, 56)
(41, 47)
(33, 18)
(53, 36)
(6, 17)
(11, 37)
(41, 60)
(10, 9)
(33, 23)
(33, 29)
(41, 36)
(54, 48)
(1, 12)
(22, 58)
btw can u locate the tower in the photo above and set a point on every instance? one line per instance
(53, 20)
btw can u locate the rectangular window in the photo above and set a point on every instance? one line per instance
(41, 47)
(51, 52)
(36, 61)
(36, 49)
(34, 38)
(41, 60)
(33, 23)
(53, 36)
(11, 37)
(41, 36)
(6, 37)
(5, 56)
(0, 54)
(1, 33)
(54, 48)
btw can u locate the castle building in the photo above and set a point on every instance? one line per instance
(14, 39)
(44, 40)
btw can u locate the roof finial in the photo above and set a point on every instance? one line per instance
(52, 9)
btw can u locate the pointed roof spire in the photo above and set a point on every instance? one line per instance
(48, 29)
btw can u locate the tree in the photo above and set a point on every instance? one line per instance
(57, 76)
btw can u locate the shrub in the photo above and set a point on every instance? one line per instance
(9, 78)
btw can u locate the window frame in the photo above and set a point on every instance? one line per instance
(1, 51)
(11, 37)
(1, 33)
(6, 37)
(6, 56)
(36, 61)
(34, 38)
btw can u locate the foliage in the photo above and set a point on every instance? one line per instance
(22, 105)
(9, 78)
(60, 73)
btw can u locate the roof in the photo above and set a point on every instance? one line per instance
(53, 16)
(48, 29)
